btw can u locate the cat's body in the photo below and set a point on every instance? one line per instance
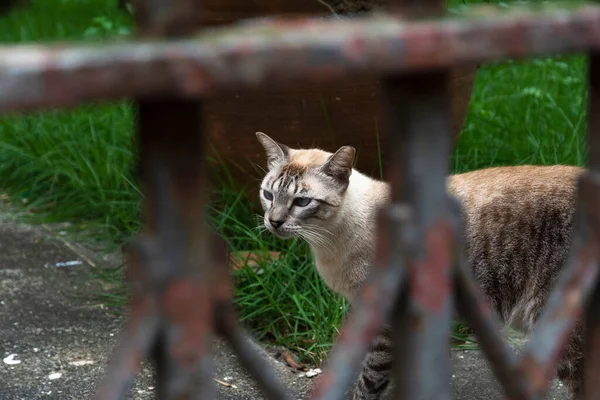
(352, 234)
(518, 223)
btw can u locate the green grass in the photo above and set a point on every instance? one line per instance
(77, 166)
(526, 113)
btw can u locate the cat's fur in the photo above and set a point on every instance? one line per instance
(518, 222)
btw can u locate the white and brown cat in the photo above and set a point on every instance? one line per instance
(518, 222)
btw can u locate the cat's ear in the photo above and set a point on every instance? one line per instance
(276, 152)
(339, 165)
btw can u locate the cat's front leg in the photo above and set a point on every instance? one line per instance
(374, 377)
(570, 367)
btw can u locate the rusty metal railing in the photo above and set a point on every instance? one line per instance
(181, 291)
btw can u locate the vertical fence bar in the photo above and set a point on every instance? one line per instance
(172, 173)
(591, 387)
(418, 109)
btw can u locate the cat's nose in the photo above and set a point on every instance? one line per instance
(276, 224)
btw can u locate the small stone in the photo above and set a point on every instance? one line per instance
(54, 376)
(313, 372)
(10, 360)
(81, 362)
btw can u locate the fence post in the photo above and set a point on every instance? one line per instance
(418, 108)
(591, 389)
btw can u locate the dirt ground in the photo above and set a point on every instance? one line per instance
(55, 341)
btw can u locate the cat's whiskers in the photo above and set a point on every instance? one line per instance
(322, 238)
(318, 239)
(315, 241)
(259, 217)
(260, 228)
(323, 233)
(260, 167)
(320, 228)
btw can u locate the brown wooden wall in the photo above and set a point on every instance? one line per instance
(322, 115)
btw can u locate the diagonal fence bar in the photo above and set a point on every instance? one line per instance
(265, 378)
(137, 337)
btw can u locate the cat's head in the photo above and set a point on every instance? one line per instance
(303, 189)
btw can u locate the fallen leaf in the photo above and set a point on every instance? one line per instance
(290, 360)
(226, 384)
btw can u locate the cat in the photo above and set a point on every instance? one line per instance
(518, 226)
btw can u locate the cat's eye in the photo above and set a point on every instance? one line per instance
(302, 201)
(268, 195)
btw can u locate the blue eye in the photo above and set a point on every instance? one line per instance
(268, 195)
(302, 201)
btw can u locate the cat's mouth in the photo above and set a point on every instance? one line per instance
(282, 234)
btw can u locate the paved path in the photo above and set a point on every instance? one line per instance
(63, 339)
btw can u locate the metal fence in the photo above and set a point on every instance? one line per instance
(178, 268)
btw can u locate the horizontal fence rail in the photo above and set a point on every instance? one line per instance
(251, 54)
(181, 289)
